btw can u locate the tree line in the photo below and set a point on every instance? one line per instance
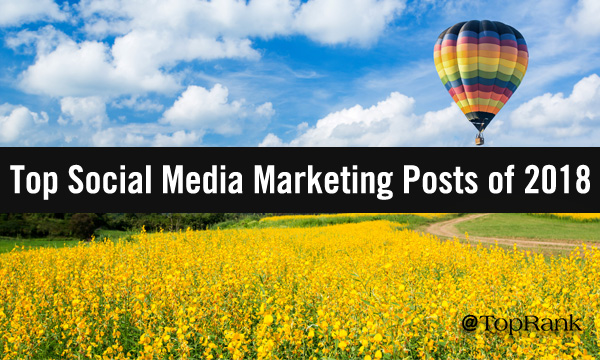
(83, 225)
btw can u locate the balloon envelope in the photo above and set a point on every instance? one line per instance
(481, 64)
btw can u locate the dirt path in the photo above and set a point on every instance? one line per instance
(448, 229)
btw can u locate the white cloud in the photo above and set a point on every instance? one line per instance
(341, 21)
(197, 111)
(89, 111)
(272, 140)
(584, 20)
(15, 12)
(133, 65)
(13, 123)
(325, 21)
(99, 28)
(559, 116)
(547, 120)
(138, 104)
(145, 135)
(203, 109)
(105, 138)
(133, 134)
(116, 136)
(87, 69)
(42, 41)
(228, 18)
(178, 138)
(151, 37)
(16, 121)
(144, 50)
(41, 118)
(391, 122)
(265, 110)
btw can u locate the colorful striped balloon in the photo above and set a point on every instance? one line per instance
(481, 63)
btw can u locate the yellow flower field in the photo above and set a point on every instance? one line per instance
(578, 216)
(370, 290)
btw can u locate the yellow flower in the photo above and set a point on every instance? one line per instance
(218, 293)
(268, 320)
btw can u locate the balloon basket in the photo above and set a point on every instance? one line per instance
(479, 140)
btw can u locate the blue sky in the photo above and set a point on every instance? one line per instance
(281, 73)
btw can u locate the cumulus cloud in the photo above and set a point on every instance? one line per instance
(134, 102)
(88, 69)
(340, 21)
(145, 135)
(15, 121)
(195, 113)
(117, 136)
(89, 111)
(133, 65)
(227, 18)
(559, 116)
(326, 21)
(547, 120)
(132, 134)
(203, 109)
(550, 119)
(143, 50)
(178, 138)
(41, 41)
(152, 37)
(391, 122)
(585, 17)
(16, 12)
(272, 140)
(265, 110)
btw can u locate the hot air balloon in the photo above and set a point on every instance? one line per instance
(481, 64)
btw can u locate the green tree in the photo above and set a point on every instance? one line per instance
(82, 225)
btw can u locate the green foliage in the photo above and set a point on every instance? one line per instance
(82, 225)
(167, 221)
(42, 225)
(246, 222)
(27, 225)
